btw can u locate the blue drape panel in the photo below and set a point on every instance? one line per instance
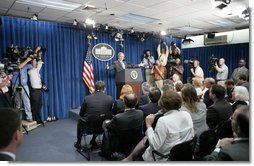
(63, 61)
(232, 53)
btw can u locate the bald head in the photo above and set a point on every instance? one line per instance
(130, 100)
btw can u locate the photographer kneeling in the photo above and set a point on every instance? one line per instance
(36, 84)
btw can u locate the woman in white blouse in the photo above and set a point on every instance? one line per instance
(171, 129)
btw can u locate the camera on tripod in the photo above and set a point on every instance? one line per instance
(189, 63)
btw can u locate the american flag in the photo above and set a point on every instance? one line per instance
(88, 76)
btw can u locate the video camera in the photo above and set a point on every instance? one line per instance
(172, 61)
(190, 63)
(212, 62)
(15, 52)
(6, 67)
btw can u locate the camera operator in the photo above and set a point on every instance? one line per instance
(222, 71)
(197, 71)
(176, 53)
(147, 63)
(36, 84)
(176, 68)
(158, 71)
(20, 86)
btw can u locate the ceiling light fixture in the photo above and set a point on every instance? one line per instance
(187, 41)
(94, 36)
(132, 30)
(89, 21)
(142, 39)
(163, 33)
(106, 26)
(118, 36)
(220, 3)
(35, 17)
(75, 22)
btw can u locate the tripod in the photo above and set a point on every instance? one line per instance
(21, 97)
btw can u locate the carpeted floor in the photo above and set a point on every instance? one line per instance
(52, 143)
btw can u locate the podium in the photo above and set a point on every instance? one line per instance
(131, 76)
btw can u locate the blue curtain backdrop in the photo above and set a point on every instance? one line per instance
(232, 53)
(63, 61)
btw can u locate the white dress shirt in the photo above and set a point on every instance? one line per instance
(171, 129)
(35, 77)
(12, 155)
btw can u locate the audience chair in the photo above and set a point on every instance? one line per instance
(126, 142)
(207, 142)
(180, 152)
(94, 127)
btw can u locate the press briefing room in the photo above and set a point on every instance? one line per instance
(125, 81)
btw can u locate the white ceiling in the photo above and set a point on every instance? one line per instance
(174, 16)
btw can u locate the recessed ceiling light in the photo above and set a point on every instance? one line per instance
(112, 14)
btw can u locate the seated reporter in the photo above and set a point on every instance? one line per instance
(119, 106)
(171, 129)
(91, 110)
(130, 119)
(236, 148)
(240, 97)
(152, 107)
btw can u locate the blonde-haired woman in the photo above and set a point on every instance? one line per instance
(119, 106)
(198, 85)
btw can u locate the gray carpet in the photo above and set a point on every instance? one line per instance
(52, 143)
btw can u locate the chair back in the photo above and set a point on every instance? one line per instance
(128, 139)
(183, 151)
(94, 122)
(207, 142)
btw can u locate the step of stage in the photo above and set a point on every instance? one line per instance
(29, 125)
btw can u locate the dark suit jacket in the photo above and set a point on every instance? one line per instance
(118, 66)
(5, 157)
(236, 104)
(118, 107)
(219, 112)
(129, 119)
(208, 102)
(238, 151)
(150, 108)
(144, 100)
(96, 104)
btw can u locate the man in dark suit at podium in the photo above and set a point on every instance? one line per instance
(118, 66)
